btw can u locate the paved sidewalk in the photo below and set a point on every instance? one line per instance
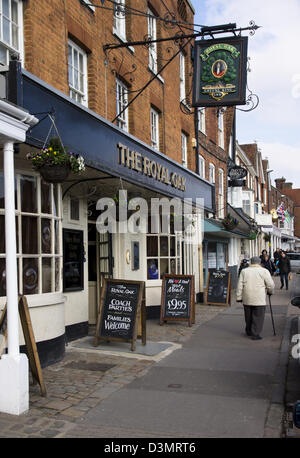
(213, 382)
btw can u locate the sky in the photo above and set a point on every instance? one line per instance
(275, 77)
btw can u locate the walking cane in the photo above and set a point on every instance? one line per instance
(272, 314)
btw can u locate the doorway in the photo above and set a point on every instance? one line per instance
(100, 266)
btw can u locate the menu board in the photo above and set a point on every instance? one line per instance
(218, 287)
(120, 303)
(177, 300)
(73, 260)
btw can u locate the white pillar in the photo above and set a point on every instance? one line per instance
(11, 251)
(14, 378)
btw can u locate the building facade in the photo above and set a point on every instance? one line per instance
(124, 109)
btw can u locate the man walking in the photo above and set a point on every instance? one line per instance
(252, 286)
(284, 270)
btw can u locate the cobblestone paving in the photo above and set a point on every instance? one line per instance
(81, 381)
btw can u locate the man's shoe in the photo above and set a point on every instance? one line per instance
(256, 338)
(281, 286)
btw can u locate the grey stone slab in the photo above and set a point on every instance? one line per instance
(205, 382)
(150, 349)
(180, 415)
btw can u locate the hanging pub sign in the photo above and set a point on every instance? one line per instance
(220, 72)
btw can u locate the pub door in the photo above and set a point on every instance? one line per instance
(99, 266)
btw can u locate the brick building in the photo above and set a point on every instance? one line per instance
(67, 73)
(284, 194)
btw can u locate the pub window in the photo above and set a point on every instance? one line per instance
(221, 129)
(201, 167)
(120, 19)
(212, 176)
(182, 76)
(221, 212)
(152, 21)
(121, 101)
(163, 251)
(77, 69)
(154, 119)
(74, 210)
(201, 120)
(11, 32)
(184, 149)
(73, 252)
(38, 234)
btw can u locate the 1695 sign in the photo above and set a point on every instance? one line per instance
(220, 72)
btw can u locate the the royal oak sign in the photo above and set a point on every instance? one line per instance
(220, 72)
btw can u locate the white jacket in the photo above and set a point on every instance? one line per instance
(254, 282)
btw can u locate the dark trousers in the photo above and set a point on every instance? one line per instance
(254, 317)
(286, 278)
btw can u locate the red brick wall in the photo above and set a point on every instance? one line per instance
(47, 27)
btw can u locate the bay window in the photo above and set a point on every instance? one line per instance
(38, 232)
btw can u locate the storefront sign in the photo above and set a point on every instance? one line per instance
(120, 303)
(142, 164)
(220, 72)
(237, 173)
(218, 288)
(177, 298)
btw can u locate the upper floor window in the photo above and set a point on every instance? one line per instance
(154, 119)
(77, 66)
(212, 175)
(119, 19)
(221, 129)
(182, 76)
(184, 149)
(201, 166)
(10, 29)
(121, 100)
(201, 120)
(221, 194)
(153, 46)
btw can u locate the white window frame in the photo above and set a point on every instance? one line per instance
(177, 238)
(212, 173)
(121, 102)
(154, 123)
(119, 27)
(182, 87)
(152, 33)
(55, 218)
(184, 153)
(9, 47)
(221, 212)
(78, 83)
(201, 167)
(201, 120)
(221, 129)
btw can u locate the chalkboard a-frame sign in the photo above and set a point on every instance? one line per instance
(177, 299)
(120, 304)
(218, 288)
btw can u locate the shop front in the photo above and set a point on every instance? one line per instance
(62, 256)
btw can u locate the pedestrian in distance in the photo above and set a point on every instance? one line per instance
(253, 284)
(263, 254)
(284, 266)
(243, 265)
(268, 264)
(277, 254)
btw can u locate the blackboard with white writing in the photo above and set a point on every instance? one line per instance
(120, 304)
(177, 303)
(218, 287)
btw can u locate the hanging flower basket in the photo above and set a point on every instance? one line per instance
(55, 163)
(230, 223)
(56, 173)
(252, 235)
